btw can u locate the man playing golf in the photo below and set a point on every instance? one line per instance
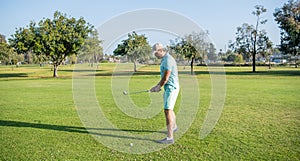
(169, 80)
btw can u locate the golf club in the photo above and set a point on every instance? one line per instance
(127, 93)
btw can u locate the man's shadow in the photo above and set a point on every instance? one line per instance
(77, 129)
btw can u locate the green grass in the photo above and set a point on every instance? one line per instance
(260, 119)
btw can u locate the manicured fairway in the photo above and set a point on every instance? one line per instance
(260, 119)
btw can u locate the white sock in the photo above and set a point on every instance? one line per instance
(169, 138)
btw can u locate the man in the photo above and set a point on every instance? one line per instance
(169, 80)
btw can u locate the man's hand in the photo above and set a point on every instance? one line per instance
(155, 88)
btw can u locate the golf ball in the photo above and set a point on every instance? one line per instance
(131, 144)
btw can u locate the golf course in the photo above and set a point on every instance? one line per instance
(39, 120)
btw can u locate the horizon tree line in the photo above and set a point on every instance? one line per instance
(65, 37)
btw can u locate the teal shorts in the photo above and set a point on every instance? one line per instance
(170, 97)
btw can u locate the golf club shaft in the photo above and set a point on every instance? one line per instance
(138, 92)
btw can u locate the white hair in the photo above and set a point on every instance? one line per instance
(158, 46)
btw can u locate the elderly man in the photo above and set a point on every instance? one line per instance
(169, 80)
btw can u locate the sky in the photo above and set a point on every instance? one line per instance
(219, 17)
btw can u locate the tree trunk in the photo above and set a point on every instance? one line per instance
(134, 66)
(192, 66)
(55, 67)
(269, 63)
(253, 62)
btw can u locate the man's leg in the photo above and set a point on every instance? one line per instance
(174, 118)
(170, 124)
(169, 103)
(170, 120)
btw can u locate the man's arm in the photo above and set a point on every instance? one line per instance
(162, 82)
(165, 78)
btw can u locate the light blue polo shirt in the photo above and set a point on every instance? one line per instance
(168, 63)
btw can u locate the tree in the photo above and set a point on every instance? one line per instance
(211, 55)
(7, 54)
(2, 39)
(251, 40)
(288, 19)
(268, 52)
(3, 49)
(201, 43)
(231, 57)
(91, 50)
(238, 59)
(185, 48)
(57, 39)
(192, 46)
(135, 47)
(23, 41)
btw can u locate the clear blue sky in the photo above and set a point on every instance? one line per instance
(219, 17)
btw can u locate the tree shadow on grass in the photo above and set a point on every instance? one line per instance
(81, 70)
(76, 129)
(13, 75)
(129, 73)
(96, 72)
(238, 73)
(257, 73)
